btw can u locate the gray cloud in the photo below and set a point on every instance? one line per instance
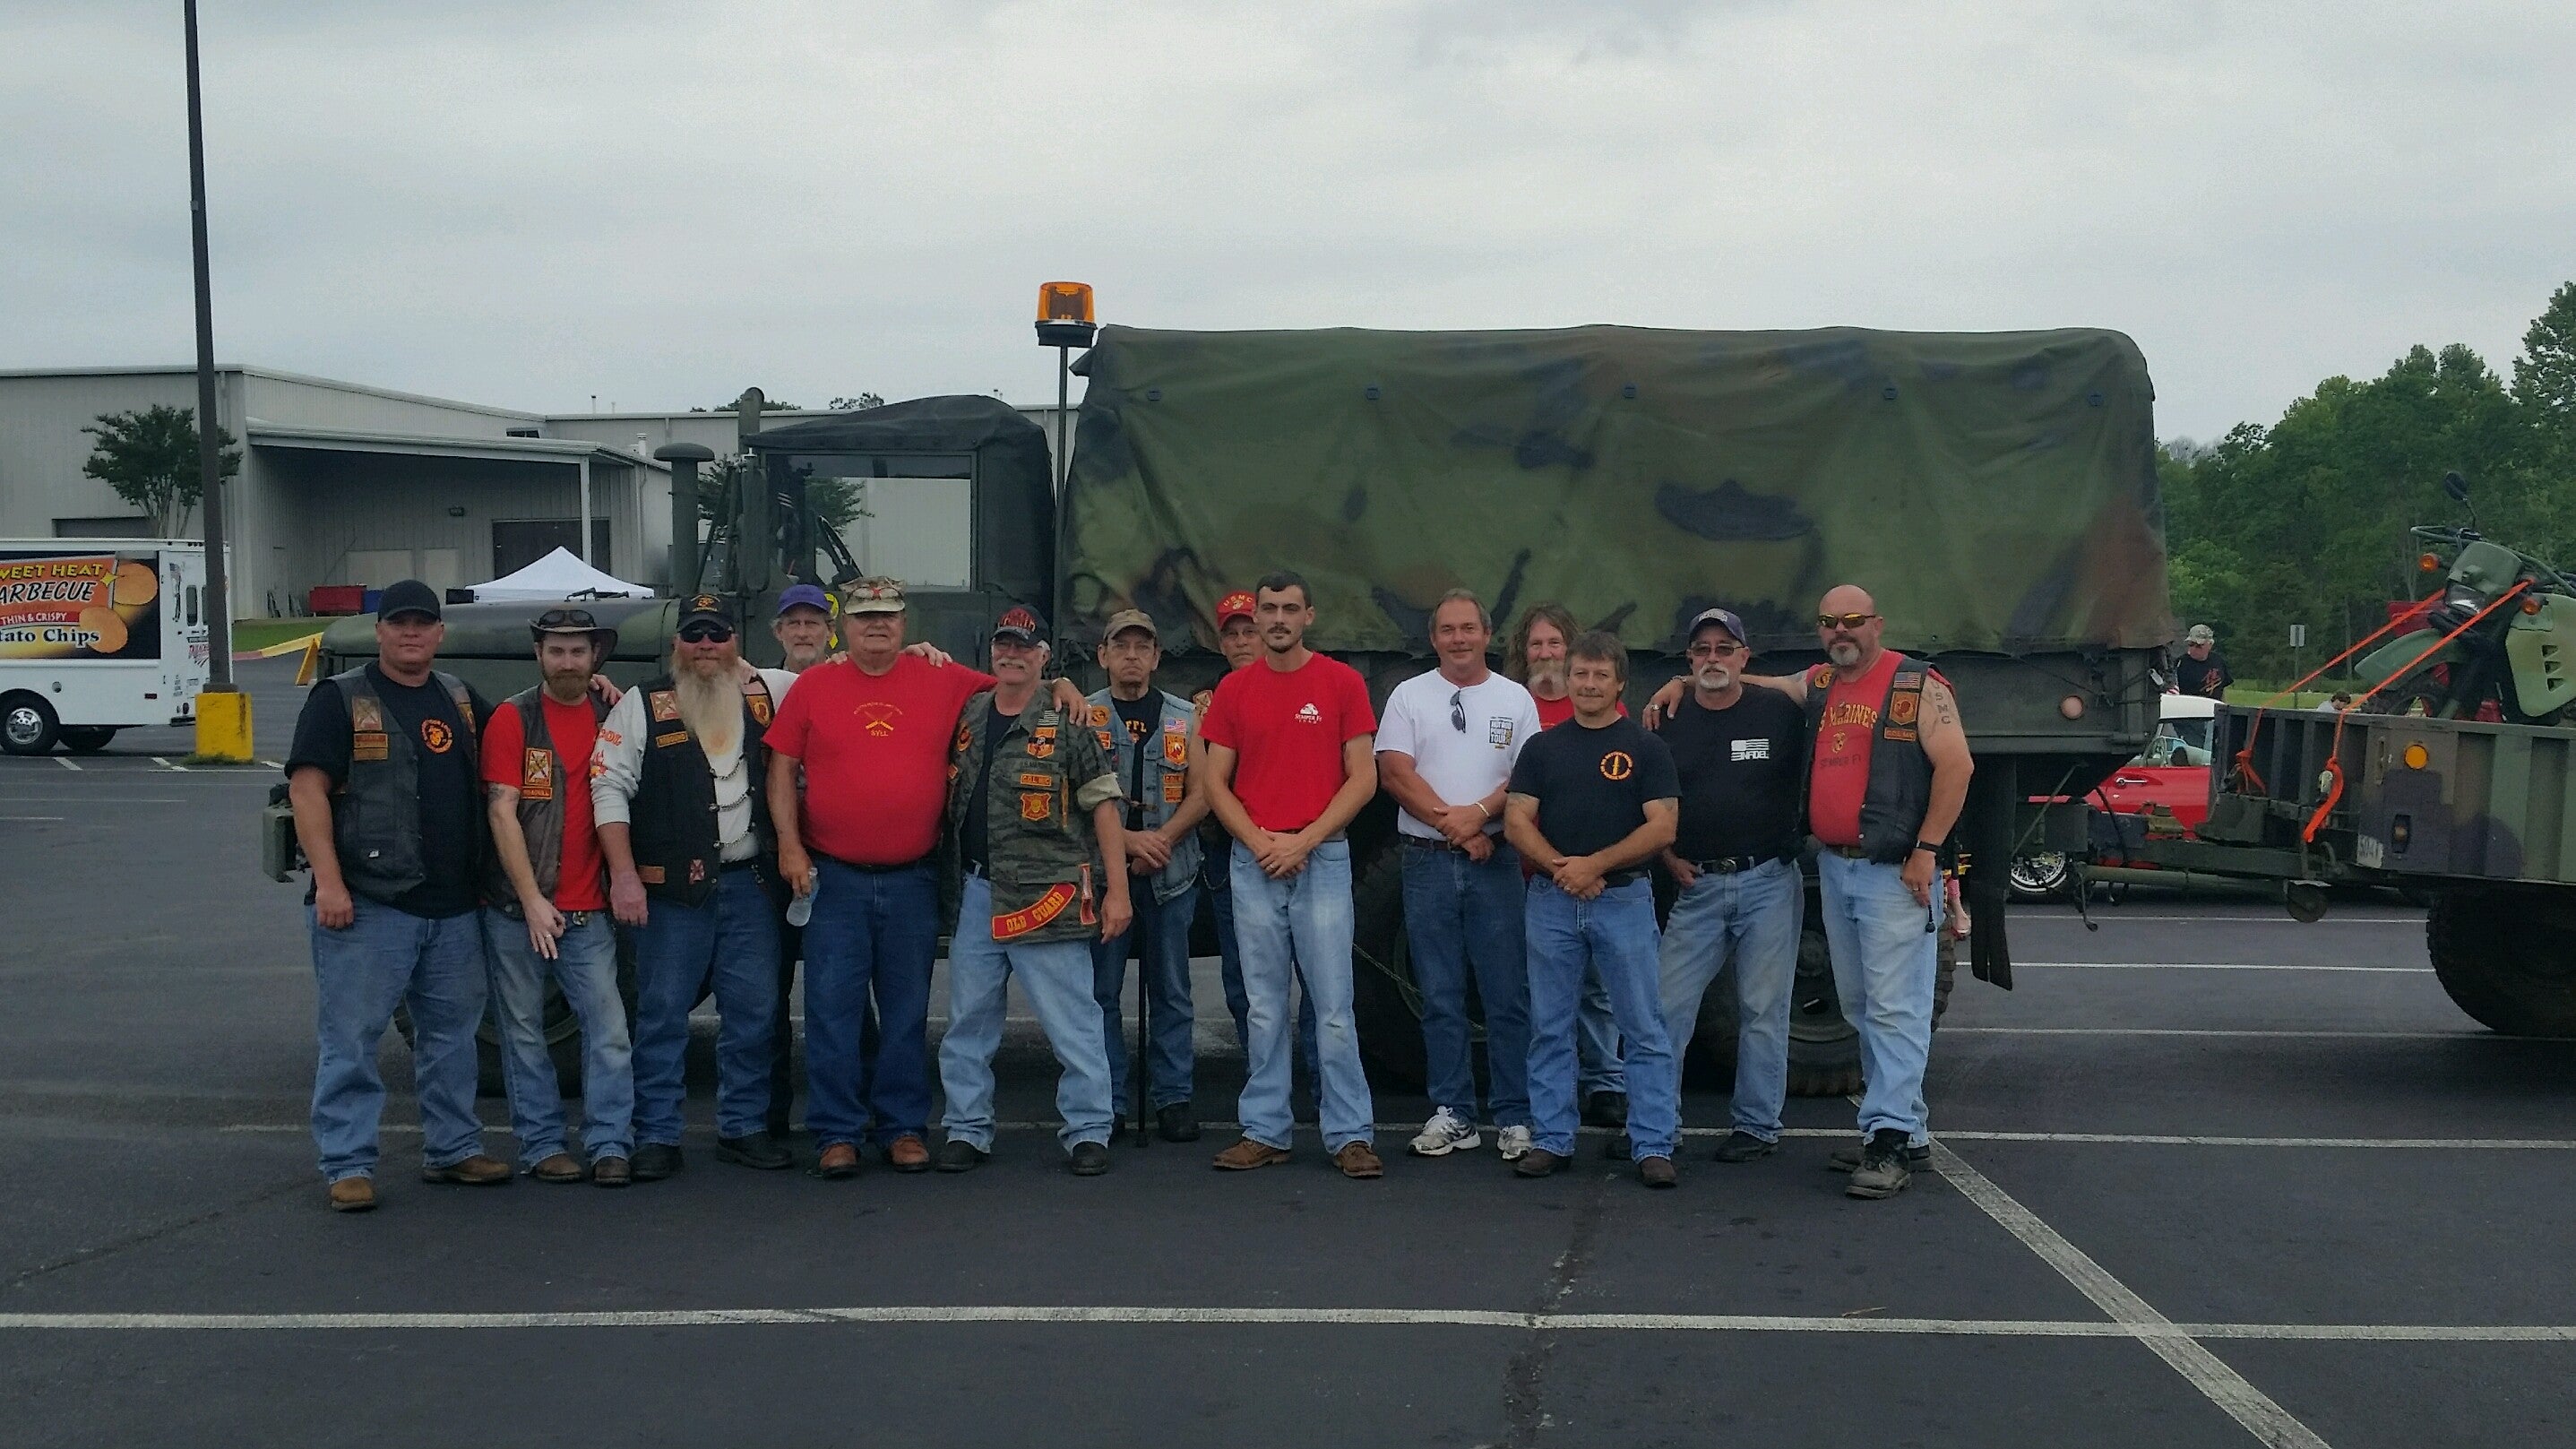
(660, 203)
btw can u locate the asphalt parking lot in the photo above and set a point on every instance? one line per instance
(2207, 1177)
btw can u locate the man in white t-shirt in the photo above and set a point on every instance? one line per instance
(1445, 747)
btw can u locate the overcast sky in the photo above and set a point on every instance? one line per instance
(528, 204)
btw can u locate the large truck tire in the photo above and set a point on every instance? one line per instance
(28, 725)
(87, 739)
(2507, 957)
(562, 1028)
(1824, 1051)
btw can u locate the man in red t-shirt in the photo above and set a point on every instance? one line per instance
(872, 733)
(1290, 760)
(545, 907)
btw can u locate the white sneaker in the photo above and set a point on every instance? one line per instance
(1513, 1143)
(1445, 1134)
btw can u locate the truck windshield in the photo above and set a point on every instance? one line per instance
(910, 516)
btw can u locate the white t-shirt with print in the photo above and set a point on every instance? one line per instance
(1459, 765)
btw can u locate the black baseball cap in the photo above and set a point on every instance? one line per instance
(408, 596)
(704, 608)
(1723, 618)
(1019, 624)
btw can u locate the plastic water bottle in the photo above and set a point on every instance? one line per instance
(801, 909)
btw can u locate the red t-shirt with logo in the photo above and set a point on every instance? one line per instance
(1287, 729)
(875, 750)
(1554, 712)
(1839, 776)
(581, 872)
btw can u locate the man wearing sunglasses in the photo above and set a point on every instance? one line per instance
(1888, 771)
(1445, 749)
(684, 824)
(1739, 754)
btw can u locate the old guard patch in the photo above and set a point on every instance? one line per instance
(1012, 924)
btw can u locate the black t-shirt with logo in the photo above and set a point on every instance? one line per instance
(2207, 678)
(450, 778)
(1592, 785)
(1140, 716)
(1740, 768)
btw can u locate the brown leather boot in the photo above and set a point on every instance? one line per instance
(907, 1154)
(557, 1167)
(353, 1195)
(1248, 1154)
(1358, 1159)
(476, 1171)
(839, 1161)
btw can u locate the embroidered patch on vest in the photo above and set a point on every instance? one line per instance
(1901, 709)
(665, 739)
(1036, 804)
(759, 704)
(1176, 746)
(537, 775)
(1038, 782)
(665, 703)
(1174, 787)
(1099, 717)
(370, 745)
(1042, 742)
(367, 715)
(649, 874)
(1013, 924)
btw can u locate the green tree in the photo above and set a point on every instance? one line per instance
(863, 401)
(150, 459)
(836, 501)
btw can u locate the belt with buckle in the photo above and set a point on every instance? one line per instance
(748, 862)
(1442, 842)
(1733, 864)
(1848, 852)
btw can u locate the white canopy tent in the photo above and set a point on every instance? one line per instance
(558, 575)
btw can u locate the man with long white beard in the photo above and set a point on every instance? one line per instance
(676, 789)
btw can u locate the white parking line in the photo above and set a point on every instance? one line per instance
(2113, 918)
(56, 819)
(2231, 1391)
(65, 763)
(2155, 1331)
(1835, 1134)
(2216, 966)
(165, 764)
(2215, 1031)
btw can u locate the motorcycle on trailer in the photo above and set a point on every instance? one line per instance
(2498, 643)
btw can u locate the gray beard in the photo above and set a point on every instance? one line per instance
(711, 708)
(1547, 680)
(1843, 653)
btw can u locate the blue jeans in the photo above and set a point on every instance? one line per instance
(1596, 1041)
(1301, 924)
(586, 964)
(1613, 934)
(1885, 963)
(1461, 914)
(872, 937)
(361, 972)
(734, 939)
(1756, 915)
(1161, 935)
(1216, 876)
(1056, 978)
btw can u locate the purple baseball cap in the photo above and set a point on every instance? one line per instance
(807, 595)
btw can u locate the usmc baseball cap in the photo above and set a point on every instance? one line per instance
(1722, 618)
(875, 594)
(704, 608)
(802, 596)
(1236, 605)
(1019, 624)
(410, 596)
(1131, 619)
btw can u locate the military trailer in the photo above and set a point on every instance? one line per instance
(1996, 493)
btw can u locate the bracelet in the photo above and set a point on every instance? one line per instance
(1481, 810)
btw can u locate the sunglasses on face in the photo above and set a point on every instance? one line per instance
(1715, 649)
(706, 634)
(1842, 621)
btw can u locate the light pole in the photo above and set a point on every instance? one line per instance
(1064, 323)
(223, 711)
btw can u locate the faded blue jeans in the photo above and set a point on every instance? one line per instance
(1463, 916)
(1596, 1042)
(1885, 964)
(585, 964)
(732, 938)
(1755, 915)
(361, 972)
(1056, 978)
(1613, 934)
(1216, 879)
(872, 937)
(1161, 937)
(1300, 925)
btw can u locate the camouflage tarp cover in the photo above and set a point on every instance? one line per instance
(1996, 491)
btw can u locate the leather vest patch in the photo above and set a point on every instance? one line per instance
(537, 774)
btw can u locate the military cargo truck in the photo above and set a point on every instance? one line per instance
(1996, 493)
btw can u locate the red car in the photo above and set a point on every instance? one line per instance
(2166, 788)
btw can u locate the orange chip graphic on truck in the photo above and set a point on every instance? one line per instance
(79, 606)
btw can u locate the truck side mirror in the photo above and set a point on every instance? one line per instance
(2455, 487)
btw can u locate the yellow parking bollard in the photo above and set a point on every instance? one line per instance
(223, 725)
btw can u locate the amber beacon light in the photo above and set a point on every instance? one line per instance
(1064, 314)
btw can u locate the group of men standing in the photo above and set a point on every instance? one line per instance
(844, 809)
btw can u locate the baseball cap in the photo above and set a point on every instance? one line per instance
(1019, 623)
(1131, 619)
(409, 596)
(573, 621)
(703, 608)
(875, 594)
(1722, 618)
(2200, 634)
(1236, 605)
(802, 596)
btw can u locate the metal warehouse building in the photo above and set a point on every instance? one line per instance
(342, 483)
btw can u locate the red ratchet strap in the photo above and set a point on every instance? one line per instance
(2243, 769)
(2334, 748)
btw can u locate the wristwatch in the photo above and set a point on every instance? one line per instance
(1927, 845)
